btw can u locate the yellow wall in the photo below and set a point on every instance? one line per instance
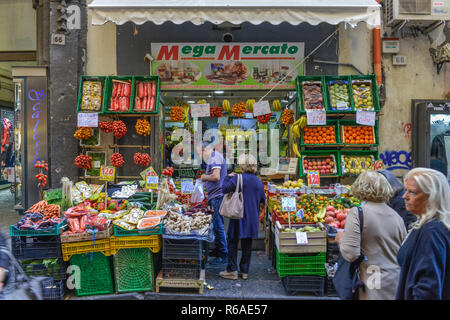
(17, 25)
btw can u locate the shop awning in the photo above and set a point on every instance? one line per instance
(236, 11)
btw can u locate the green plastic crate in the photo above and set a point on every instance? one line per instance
(300, 79)
(373, 79)
(343, 153)
(335, 124)
(313, 153)
(133, 270)
(291, 265)
(108, 93)
(52, 231)
(157, 97)
(83, 78)
(353, 123)
(95, 274)
(158, 229)
(347, 79)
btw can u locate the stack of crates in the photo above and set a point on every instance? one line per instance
(302, 273)
(134, 262)
(39, 254)
(182, 258)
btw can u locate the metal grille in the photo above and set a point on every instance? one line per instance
(414, 6)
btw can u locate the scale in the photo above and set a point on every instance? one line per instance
(286, 166)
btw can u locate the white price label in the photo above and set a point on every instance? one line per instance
(302, 238)
(316, 117)
(365, 118)
(341, 105)
(97, 164)
(199, 110)
(288, 204)
(88, 119)
(249, 115)
(187, 186)
(261, 108)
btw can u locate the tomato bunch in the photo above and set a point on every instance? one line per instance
(42, 178)
(117, 160)
(119, 129)
(83, 133)
(177, 113)
(215, 112)
(41, 165)
(142, 158)
(83, 161)
(238, 109)
(287, 117)
(106, 126)
(264, 118)
(168, 172)
(143, 127)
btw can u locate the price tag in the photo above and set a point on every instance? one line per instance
(341, 105)
(249, 115)
(151, 182)
(187, 186)
(316, 117)
(300, 214)
(87, 120)
(107, 173)
(302, 238)
(313, 179)
(97, 164)
(148, 171)
(288, 204)
(222, 120)
(261, 108)
(365, 118)
(377, 165)
(199, 110)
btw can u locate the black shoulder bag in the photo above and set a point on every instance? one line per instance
(346, 279)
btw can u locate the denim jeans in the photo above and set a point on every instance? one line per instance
(219, 230)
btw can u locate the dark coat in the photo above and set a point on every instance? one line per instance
(254, 195)
(424, 259)
(4, 259)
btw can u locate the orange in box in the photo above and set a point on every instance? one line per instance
(358, 135)
(319, 135)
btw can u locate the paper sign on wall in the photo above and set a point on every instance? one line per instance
(87, 119)
(316, 117)
(366, 118)
(199, 110)
(261, 108)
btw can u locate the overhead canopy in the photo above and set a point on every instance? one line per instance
(236, 12)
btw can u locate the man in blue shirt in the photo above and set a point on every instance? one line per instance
(216, 171)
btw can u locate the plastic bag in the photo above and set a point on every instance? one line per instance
(198, 195)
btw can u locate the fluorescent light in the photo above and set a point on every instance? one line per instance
(191, 101)
(219, 91)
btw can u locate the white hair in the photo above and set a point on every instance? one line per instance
(436, 186)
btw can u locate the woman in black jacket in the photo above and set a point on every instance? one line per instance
(397, 202)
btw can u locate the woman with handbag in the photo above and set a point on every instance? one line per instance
(379, 239)
(246, 228)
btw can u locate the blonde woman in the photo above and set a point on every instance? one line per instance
(382, 235)
(425, 255)
(245, 229)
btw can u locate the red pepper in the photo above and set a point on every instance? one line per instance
(153, 89)
(141, 90)
(126, 89)
(151, 106)
(114, 91)
(148, 87)
(137, 103)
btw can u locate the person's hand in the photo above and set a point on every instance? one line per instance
(231, 175)
(202, 177)
(339, 236)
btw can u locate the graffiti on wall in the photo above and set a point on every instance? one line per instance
(406, 128)
(393, 160)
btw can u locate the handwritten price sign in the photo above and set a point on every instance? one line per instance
(377, 165)
(366, 118)
(199, 110)
(107, 173)
(316, 117)
(313, 179)
(288, 204)
(261, 108)
(87, 120)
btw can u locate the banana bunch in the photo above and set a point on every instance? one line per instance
(249, 105)
(298, 125)
(226, 105)
(276, 105)
(283, 151)
(201, 101)
(295, 150)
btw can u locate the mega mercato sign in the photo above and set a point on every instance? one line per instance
(227, 65)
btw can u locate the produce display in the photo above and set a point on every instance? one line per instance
(264, 118)
(106, 126)
(83, 133)
(319, 135)
(287, 117)
(117, 160)
(195, 220)
(336, 218)
(142, 159)
(49, 211)
(83, 161)
(301, 229)
(168, 171)
(177, 113)
(145, 99)
(290, 184)
(362, 95)
(93, 140)
(249, 105)
(83, 218)
(98, 160)
(312, 95)
(357, 135)
(120, 96)
(339, 95)
(125, 191)
(216, 112)
(356, 164)
(226, 105)
(325, 165)
(91, 99)
(143, 127)
(133, 219)
(238, 109)
(119, 129)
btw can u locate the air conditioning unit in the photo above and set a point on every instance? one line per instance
(416, 11)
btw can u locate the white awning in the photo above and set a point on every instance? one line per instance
(236, 11)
